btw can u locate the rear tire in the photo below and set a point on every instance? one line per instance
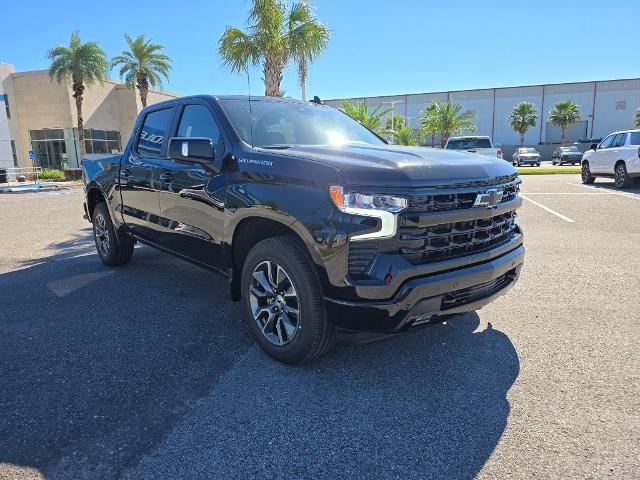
(622, 178)
(113, 249)
(285, 309)
(586, 176)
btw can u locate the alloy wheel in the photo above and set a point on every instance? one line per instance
(102, 234)
(586, 174)
(620, 176)
(274, 303)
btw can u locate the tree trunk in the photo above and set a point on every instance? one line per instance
(302, 76)
(78, 90)
(521, 138)
(443, 140)
(433, 140)
(143, 88)
(563, 132)
(272, 70)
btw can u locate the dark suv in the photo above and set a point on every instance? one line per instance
(323, 229)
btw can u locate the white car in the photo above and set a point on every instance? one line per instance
(478, 144)
(617, 156)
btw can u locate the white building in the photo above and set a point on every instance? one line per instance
(605, 106)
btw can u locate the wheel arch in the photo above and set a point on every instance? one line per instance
(618, 163)
(253, 229)
(95, 195)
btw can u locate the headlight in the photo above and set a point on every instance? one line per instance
(384, 207)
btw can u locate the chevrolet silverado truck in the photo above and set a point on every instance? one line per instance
(324, 231)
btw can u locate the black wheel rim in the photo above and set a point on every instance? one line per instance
(620, 174)
(101, 234)
(274, 303)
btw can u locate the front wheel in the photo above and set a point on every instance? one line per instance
(113, 249)
(284, 303)
(586, 176)
(622, 178)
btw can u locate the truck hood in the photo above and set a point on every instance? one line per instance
(399, 166)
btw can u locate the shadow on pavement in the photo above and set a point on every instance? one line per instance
(145, 371)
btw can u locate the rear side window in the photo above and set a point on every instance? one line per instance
(635, 138)
(197, 121)
(468, 143)
(153, 133)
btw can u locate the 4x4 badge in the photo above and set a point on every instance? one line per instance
(489, 199)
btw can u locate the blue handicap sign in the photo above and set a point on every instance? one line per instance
(32, 155)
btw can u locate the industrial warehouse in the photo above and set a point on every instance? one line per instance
(605, 106)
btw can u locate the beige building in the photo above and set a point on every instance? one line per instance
(40, 115)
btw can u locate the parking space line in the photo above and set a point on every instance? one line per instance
(621, 194)
(559, 215)
(571, 193)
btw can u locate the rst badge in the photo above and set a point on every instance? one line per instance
(489, 199)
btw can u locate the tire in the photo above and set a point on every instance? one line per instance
(270, 302)
(113, 249)
(553, 162)
(622, 178)
(586, 176)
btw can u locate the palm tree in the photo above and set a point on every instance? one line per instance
(405, 136)
(447, 119)
(563, 114)
(428, 123)
(142, 65)
(360, 113)
(636, 119)
(309, 38)
(275, 36)
(83, 64)
(393, 123)
(522, 117)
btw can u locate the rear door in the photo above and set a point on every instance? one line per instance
(192, 195)
(140, 174)
(616, 151)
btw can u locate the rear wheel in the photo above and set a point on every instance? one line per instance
(586, 176)
(283, 301)
(113, 249)
(622, 178)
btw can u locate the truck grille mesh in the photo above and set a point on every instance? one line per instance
(477, 292)
(455, 201)
(424, 245)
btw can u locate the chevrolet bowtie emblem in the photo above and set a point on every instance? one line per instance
(489, 199)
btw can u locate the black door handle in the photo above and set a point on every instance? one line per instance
(166, 177)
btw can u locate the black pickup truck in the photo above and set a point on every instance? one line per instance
(323, 229)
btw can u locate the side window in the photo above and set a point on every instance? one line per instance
(635, 138)
(620, 140)
(197, 121)
(606, 143)
(153, 133)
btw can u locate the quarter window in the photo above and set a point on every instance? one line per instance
(197, 121)
(153, 133)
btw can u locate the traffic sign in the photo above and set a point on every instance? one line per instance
(32, 155)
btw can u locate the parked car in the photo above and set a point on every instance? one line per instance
(617, 156)
(323, 230)
(526, 156)
(569, 154)
(481, 145)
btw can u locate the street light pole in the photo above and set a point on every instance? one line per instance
(393, 111)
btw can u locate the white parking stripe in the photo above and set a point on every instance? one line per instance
(559, 215)
(571, 193)
(621, 194)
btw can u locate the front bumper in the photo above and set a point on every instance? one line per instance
(427, 299)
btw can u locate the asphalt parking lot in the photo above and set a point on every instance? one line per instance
(146, 371)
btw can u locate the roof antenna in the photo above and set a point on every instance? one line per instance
(250, 112)
(316, 99)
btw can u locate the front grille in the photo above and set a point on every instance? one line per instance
(477, 292)
(455, 201)
(439, 242)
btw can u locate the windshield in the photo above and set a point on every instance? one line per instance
(282, 124)
(528, 150)
(569, 149)
(468, 143)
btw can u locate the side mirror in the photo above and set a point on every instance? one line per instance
(194, 149)
(594, 146)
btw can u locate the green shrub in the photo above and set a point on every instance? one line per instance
(51, 174)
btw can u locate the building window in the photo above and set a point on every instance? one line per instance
(13, 152)
(50, 147)
(6, 105)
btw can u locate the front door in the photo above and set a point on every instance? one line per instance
(599, 159)
(192, 194)
(140, 175)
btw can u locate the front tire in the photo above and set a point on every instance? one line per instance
(283, 301)
(622, 178)
(113, 249)
(586, 176)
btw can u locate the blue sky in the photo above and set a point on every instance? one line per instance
(377, 47)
